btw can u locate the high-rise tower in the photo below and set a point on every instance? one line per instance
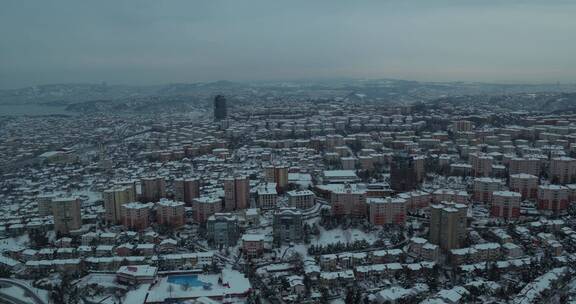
(403, 175)
(220, 108)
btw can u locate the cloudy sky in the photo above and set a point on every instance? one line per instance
(158, 42)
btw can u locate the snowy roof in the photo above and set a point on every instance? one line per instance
(138, 270)
(207, 200)
(135, 205)
(387, 200)
(346, 274)
(396, 293)
(344, 188)
(170, 203)
(253, 237)
(340, 174)
(506, 193)
(453, 295)
(299, 193)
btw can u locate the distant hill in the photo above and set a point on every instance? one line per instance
(65, 94)
(549, 97)
(548, 102)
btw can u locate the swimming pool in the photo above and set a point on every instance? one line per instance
(188, 279)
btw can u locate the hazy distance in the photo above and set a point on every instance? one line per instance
(157, 42)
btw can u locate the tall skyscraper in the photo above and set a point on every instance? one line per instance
(403, 175)
(220, 108)
(66, 212)
(448, 225)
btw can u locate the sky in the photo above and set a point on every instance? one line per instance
(176, 41)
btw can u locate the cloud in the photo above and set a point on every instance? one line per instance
(145, 42)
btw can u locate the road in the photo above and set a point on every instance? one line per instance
(29, 291)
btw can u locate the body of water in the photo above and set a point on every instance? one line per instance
(190, 280)
(31, 109)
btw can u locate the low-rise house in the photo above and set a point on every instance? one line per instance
(146, 249)
(29, 254)
(386, 256)
(168, 245)
(136, 274)
(512, 250)
(124, 249)
(65, 253)
(104, 250)
(296, 283)
(252, 216)
(85, 251)
(337, 278)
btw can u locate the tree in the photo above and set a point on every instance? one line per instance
(325, 295)
(307, 283)
(65, 292)
(5, 272)
(357, 294)
(285, 283)
(494, 272)
(38, 239)
(349, 296)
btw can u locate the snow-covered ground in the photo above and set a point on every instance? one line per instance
(138, 295)
(344, 236)
(233, 283)
(14, 243)
(20, 294)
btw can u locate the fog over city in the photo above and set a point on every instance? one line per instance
(160, 42)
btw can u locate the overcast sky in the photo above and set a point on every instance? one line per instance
(158, 42)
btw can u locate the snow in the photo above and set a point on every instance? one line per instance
(344, 236)
(101, 279)
(531, 292)
(396, 293)
(238, 284)
(138, 270)
(14, 243)
(6, 261)
(21, 294)
(138, 295)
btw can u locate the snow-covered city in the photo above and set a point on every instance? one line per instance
(279, 152)
(324, 202)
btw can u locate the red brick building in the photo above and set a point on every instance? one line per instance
(387, 211)
(170, 213)
(505, 204)
(553, 198)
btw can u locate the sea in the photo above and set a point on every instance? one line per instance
(33, 110)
